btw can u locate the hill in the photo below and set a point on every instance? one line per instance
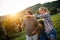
(54, 7)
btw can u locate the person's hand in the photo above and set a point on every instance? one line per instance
(40, 25)
(33, 32)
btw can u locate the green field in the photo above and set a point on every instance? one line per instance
(56, 23)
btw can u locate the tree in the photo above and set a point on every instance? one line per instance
(53, 11)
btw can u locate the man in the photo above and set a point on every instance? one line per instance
(31, 26)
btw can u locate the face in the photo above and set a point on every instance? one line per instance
(41, 11)
(27, 14)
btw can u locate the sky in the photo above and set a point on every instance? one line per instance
(13, 6)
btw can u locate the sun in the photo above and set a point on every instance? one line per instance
(13, 14)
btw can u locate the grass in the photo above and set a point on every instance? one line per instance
(22, 36)
(56, 23)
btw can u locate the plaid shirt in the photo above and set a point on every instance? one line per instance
(47, 22)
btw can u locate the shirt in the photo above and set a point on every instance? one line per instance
(47, 22)
(30, 24)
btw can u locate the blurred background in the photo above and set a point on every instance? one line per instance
(12, 15)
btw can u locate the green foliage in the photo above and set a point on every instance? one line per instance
(37, 11)
(53, 11)
(56, 23)
(22, 35)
